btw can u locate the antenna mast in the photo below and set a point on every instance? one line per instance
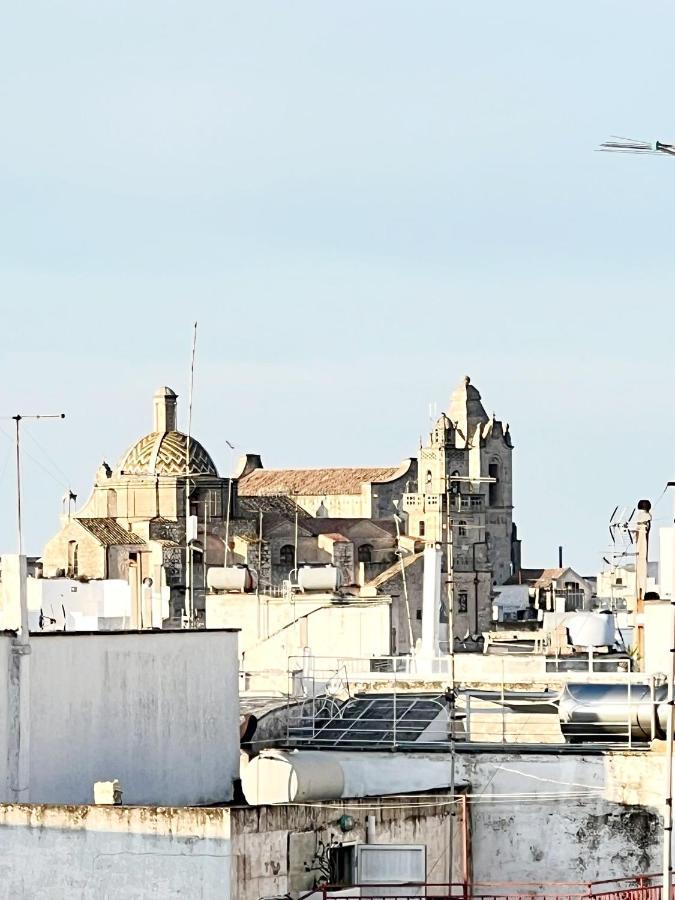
(18, 418)
(189, 589)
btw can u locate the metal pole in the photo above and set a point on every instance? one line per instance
(189, 612)
(666, 892)
(17, 419)
(450, 563)
(229, 504)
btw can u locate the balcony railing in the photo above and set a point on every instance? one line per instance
(638, 887)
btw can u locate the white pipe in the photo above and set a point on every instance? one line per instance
(371, 833)
(431, 601)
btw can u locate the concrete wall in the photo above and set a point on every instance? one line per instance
(6, 641)
(59, 853)
(271, 844)
(274, 629)
(159, 711)
(605, 823)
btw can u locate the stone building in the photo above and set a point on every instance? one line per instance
(370, 523)
(133, 526)
(457, 491)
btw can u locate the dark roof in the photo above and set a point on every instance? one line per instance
(109, 532)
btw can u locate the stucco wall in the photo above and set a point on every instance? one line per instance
(610, 828)
(158, 711)
(89, 853)
(270, 844)
(272, 629)
(5, 651)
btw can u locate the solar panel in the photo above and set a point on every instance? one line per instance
(371, 720)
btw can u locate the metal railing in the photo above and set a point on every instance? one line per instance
(639, 887)
(399, 702)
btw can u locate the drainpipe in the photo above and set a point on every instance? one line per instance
(18, 749)
(371, 833)
(476, 582)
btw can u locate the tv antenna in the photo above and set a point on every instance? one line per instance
(18, 419)
(618, 144)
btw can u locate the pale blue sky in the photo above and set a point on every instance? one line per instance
(360, 202)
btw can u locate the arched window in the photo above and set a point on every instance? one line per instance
(429, 477)
(365, 554)
(73, 563)
(462, 528)
(454, 485)
(422, 528)
(287, 556)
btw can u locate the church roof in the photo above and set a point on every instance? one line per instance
(317, 482)
(165, 453)
(109, 532)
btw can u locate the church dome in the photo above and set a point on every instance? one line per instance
(165, 450)
(165, 453)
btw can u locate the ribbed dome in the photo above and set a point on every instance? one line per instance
(164, 453)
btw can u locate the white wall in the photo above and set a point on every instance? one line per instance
(589, 836)
(157, 710)
(59, 853)
(5, 651)
(274, 629)
(84, 602)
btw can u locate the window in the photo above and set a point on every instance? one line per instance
(463, 601)
(287, 556)
(73, 563)
(418, 615)
(422, 528)
(214, 504)
(495, 487)
(429, 477)
(454, 485)
(365, 553)
(462, 528)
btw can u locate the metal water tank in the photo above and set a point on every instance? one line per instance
(319, 578)
(238, 579)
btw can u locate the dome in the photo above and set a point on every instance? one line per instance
(165, 453)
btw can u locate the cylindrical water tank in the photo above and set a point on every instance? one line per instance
(590, 629)
(319, 578)
(591, 712)
(238, 579)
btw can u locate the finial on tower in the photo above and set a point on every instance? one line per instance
(467, 380)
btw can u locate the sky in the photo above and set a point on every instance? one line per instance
(359, 203)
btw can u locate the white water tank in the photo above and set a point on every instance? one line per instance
(238, 579)
(590, 629)
(319, 578)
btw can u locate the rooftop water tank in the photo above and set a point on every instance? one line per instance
(319, 578)
(237, 579)
(589, 629)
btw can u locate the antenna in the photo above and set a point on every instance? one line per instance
(189, 595)
(18, 418)
(618, 144)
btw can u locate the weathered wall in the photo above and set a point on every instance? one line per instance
(271, 844)
(159, 711)
(609, 828)
(5, 652)
(88, 852)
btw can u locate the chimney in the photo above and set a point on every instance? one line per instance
(164, 405)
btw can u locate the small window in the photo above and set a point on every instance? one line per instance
(214, 504)
(495, 488)
(418, 615)
(429, 478)
(463, 601)
(287, 556)
(73, 561)
(365, 553)
(462, 528)
(422, 528)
